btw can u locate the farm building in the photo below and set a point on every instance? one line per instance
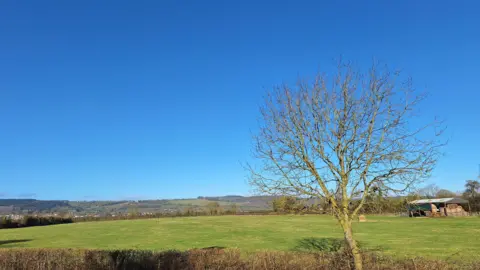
(438, 207)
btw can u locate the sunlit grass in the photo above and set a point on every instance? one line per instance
(442, 237)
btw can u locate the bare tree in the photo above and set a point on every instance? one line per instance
(337, 137)
(429, 191)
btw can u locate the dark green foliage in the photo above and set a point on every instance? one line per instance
(472, 194)
(29, 221)
(6, 222)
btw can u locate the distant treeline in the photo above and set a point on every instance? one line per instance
(374, 205)
(376, 202)
(30, 221)
(33, 207)
(187, 213)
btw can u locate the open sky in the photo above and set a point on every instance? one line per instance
(157, 99)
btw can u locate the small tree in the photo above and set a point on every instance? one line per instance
(472, 194)
(233, 208)
(337, 137)
(214, 208)
(189, 211)
(284, 204)
(375, 202)
(472, 189)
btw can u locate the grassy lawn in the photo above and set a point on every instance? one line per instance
(441, 238)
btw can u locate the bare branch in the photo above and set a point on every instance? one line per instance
(338, 136)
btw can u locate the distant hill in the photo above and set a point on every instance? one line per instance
(25, 206)
(29, 205)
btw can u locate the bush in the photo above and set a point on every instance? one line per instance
(208, 258)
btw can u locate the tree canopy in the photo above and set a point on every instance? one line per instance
(338, 136)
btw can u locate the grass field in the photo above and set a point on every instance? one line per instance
(399, 236)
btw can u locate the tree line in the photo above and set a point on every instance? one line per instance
(30, 221)
(376, 202)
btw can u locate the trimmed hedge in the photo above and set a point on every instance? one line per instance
(209, 258)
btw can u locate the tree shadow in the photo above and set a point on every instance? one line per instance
(212, 248)
(314, 244)
(13, 241)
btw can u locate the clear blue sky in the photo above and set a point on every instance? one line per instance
(156, 99)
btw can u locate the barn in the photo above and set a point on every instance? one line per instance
(438, 207)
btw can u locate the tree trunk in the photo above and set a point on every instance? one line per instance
(352, 244)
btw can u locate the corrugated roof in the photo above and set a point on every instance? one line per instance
(441, 200)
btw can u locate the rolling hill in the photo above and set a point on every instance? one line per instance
(24, 206)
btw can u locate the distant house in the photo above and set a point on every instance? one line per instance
(438, 207)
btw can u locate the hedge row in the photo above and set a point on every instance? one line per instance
(29, 221)
(210, 258)
(170, 215)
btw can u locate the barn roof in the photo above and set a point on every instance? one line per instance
(441, 200)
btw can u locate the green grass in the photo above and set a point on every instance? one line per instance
(440, 238)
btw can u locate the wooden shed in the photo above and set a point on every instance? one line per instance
(438, 207)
